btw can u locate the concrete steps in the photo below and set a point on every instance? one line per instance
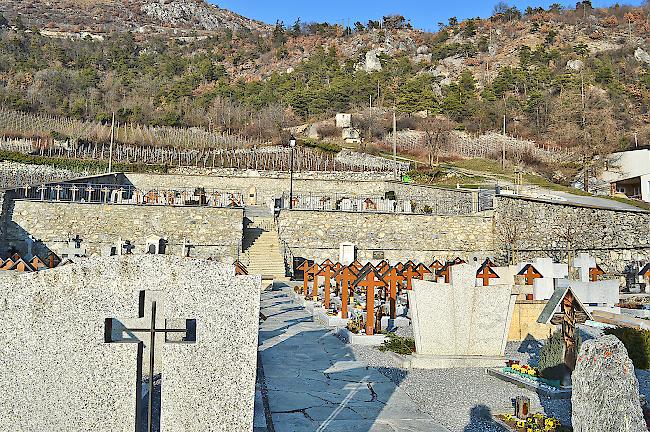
(261, 247)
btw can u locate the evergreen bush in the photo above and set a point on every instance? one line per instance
(637, 343)
(551, 356)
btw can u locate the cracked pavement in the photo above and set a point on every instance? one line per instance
(313, 382)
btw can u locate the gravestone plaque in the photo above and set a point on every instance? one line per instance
(61, 374)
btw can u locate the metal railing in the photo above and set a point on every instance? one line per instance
(462, 203)
(128, 194)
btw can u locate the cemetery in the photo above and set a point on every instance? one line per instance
(251, 303)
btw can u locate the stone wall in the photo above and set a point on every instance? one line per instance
(272, 185)
(317, 235)
(214, 232)
(541, 229)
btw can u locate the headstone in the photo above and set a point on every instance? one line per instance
(583, 263)
(460, 324)
(605, 394)
(60, 374)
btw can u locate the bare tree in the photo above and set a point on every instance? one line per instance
(436, 134)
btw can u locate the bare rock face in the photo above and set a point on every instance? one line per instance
(605, 389)
(575, 65)
(372, 62)
(641, 56)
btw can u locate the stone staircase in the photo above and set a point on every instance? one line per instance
(261, 245)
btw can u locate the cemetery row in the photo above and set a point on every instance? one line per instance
(460, 314)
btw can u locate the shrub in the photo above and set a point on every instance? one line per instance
(398, 344)
(321, 145)
(551, 356)
(637, 343)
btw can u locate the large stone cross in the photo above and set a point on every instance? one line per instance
(584, 263)
(149, 331)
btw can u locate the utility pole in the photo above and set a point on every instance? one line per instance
(110, 148)
(394, 143)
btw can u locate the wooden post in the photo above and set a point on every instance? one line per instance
(393, 277)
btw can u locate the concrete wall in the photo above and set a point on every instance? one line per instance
(317, 235)
(613, 237)
(215, 232)
(524, 323)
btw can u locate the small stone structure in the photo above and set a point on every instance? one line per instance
(605, 389)
(460, 324)
(60, 374)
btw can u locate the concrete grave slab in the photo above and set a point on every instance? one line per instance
(460, 324)
(59, 374)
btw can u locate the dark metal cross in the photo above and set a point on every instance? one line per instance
(151, 325)
(128, 247)
(77, 241)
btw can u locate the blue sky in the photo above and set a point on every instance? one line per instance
(422, 13)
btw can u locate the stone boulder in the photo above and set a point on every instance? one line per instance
(575, 65)
(605, 389)
(642, 56)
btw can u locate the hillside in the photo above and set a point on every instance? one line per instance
(103, 16)
(575, 80)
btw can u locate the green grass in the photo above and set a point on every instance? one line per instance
(80, 164)
(325, 146)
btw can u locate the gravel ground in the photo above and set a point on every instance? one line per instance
(463, 400)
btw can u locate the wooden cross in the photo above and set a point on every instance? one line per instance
(422, 270)
(37, 264)
(459, 260)
(313, 271)
(152, 197)
(357, 265)
(8, 264)
(409, 273)
(371, 281)
(327, 262)
(52, 260)
(327, 272)
(305, 276)
(393, 278)
(21, 266)
(399, 266)
(240, 269)
(345, 278)
(529, 273)
(595, 272)
(149, 331)
(486, 273)
(383, 266)
(435, 266)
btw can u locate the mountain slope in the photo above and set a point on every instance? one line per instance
(124, 15)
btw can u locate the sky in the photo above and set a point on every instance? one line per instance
(424, 14)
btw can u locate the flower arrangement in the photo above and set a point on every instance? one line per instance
(535, 423)
(525, 370)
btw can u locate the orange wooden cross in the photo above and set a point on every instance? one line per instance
(240, 269)
(399, 266)
(21, 266)
(345, 278)
(15, 257)
(409, 273)
(8, 264)
(410, 263)
(327, 271)
(595, 272)
(52, 260)
(435, 266)
(382, 266)
(529, 273)
(422, 270)
(393, 277)
(327, 262)
(486, 273)
(313, 270)
(37, 264)
(304, 267)
(357, 265)
(459, 260)
(371, 281)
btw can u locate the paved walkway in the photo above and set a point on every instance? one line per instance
(312, 381)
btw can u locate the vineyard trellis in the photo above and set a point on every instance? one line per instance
(41, 126)
(257, 158)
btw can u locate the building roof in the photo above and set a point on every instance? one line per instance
(553, 307)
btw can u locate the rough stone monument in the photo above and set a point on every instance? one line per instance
(79, 344)
(460, 324)
(605, 389)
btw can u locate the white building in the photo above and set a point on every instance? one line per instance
(628, 173)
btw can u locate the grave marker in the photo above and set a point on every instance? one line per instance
(304, 267)
(327, 272)
(393, 278)
(345, 277)
(422, 270)
(486, 273)
(371, 281)
(313, 271)
(529, 273)
(153, 326)
(595, 273)
(409, 273)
